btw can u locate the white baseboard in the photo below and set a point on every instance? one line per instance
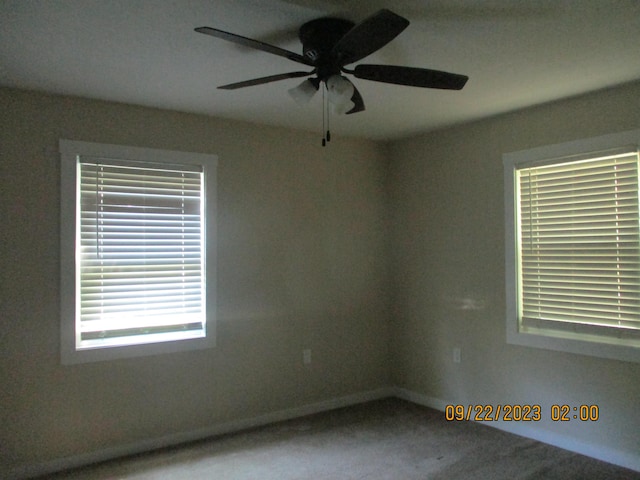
(629, 460)
(102, 455)
(419, 398)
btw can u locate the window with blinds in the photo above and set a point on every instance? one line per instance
(137, 251)
(141, 255)
(578, 246)
(572, 251)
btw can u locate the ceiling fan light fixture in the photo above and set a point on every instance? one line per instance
(329, 45)
(303, 93)
(339, 93)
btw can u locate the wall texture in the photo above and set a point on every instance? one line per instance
(302, 263)
(448, 257)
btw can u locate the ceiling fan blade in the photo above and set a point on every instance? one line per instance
(369, 36)
(357, 99)
(248, 42)
(269, 79)
(413, 77)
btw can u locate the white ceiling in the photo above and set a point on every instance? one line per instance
(516, 52)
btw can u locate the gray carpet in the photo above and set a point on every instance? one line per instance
(387, 439)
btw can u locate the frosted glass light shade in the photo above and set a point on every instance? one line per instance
(303, 93)
(340, 91)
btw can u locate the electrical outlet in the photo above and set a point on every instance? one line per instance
(306, 356)
(456, 354)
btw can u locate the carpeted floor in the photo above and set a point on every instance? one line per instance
(387, 439)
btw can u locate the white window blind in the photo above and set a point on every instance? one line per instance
(140, 274)
(579, 253)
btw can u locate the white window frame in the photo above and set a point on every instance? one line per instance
(578, 342)
(70, 154)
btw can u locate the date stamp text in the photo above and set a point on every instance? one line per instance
(520, 413)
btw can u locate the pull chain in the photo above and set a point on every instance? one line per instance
(326, 115)
(324, 103)
(328, 135)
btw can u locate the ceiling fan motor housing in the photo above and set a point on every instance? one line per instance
(318, 38)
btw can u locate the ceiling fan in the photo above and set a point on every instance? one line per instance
(329, 45)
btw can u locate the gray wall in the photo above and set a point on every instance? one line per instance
(448, 260)
(301, 264)
(307, 259)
